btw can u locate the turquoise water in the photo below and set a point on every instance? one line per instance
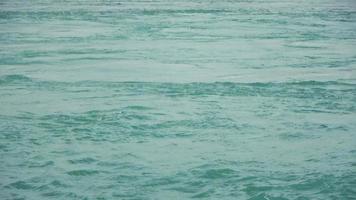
(178, 99)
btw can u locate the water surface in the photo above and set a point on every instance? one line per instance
(178, 99)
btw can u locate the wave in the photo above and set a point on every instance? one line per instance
(14, 78)
(11, 78)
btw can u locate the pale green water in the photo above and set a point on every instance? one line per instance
(178, 99)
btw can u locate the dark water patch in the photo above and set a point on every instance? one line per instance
(312, 160)
(127, 195)
(78, 119)
(59, 184)
(48, 15)
(99, 16)
(74, 195)
(216, 173)
(22, 185)
(136, 117)
(125, 178)
(138, 108)
(322, 91)
(86, 160)
(180, 11)
(316, 63)
(217, 88)
(64, 119)
(14, 132)
(14, 78)
(82, 130)
(320, 111)
(296, 136)
(53, 194)
(305, 47)
(83, 172)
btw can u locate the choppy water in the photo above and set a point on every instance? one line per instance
(178, 99)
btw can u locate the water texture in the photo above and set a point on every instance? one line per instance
(178, 99)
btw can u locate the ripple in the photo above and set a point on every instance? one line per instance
(14, 78)
(23, 185)
(83, 172)
(86, 160)
(177, 99)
